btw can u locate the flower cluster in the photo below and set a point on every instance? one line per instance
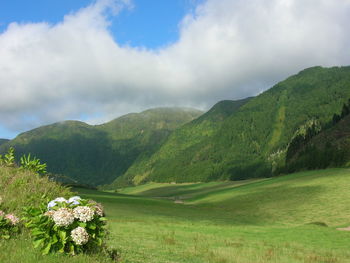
(80, 236)
(14, 220)
(8, 223)
(72, 225)
(63, 217)
(84, 213)
(98, 207)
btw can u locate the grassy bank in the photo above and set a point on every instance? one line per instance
(19, 189)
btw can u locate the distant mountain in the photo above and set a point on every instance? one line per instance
(98, 154)
(2, 141)
(249, 141)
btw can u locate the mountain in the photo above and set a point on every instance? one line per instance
(250, 141)
(96, 155)
(329, 148)
(182, 139)
(2, 141)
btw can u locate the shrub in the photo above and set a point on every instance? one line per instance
(68, 226)
(33, 165)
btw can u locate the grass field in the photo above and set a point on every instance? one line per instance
(291, 218)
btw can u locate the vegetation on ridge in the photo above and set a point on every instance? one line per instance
(252, 141)
(79, 153)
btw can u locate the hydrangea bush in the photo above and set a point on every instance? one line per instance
(9, 223)
(68, 226)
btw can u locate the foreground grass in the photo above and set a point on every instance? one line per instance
(20, 250)
(19, 189)
(286, 219)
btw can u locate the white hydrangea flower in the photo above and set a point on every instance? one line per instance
(55, 201)
(83, 213)
(98, 207)
(63, 217)
(80, 236)
(14, 220)
(75, 200)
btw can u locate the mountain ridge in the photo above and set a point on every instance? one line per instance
(96, 154)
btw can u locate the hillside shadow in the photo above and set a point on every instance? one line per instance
(268, 205)
(191, 190)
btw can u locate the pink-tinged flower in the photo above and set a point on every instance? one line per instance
(63, 217)
(49, 213)
(98, 207)
(14, 220)
(2, 213)
(80, 236)
(84, 213)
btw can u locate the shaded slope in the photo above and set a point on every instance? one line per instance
(253, 139)
(98, 154)
(329, 148)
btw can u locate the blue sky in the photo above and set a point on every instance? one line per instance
(149, 23)
(82, 60)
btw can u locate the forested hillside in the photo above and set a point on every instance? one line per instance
(322, 148)
(252, 141)
(181, 140)
(78, 152)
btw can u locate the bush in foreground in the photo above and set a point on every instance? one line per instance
(67, 226)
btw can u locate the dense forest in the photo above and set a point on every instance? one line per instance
(322, 147)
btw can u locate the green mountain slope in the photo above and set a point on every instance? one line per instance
(2, 141)
(329, 148)
(181, 140)
(98, 154)
(251, 142)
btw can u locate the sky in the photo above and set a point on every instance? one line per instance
(97, 60)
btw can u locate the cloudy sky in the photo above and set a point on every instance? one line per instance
(96, 60)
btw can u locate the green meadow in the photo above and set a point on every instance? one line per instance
(292, 218)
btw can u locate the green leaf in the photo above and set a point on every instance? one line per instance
(38, 242)
(46, 250)
(62, 234)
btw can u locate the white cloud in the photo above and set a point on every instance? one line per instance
(227, 49)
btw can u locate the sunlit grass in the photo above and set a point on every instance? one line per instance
(275, 220)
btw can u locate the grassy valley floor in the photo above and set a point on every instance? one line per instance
(291, 218)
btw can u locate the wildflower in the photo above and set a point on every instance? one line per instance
(2, 213)
(54, 202)
(83, 213)
(63, 217)
(80, 236)
(75, 200)
(14, 220)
